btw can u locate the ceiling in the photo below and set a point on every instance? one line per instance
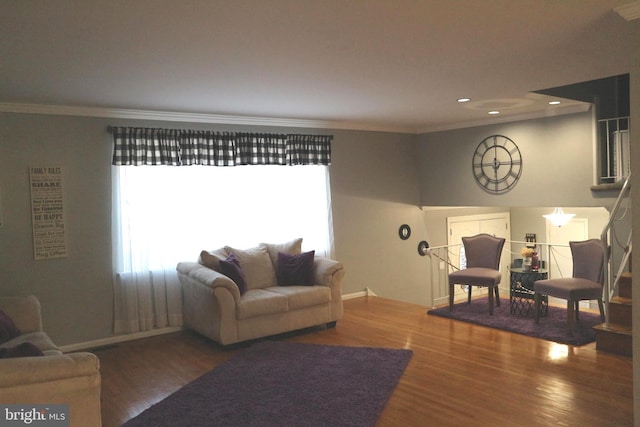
(391, 65)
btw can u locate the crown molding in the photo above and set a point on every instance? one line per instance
(629, 11)
(558, 111)
(122, 113)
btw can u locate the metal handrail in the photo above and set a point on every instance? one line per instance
(611, 280)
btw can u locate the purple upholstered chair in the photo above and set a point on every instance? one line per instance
(483, 253)
(585, 283)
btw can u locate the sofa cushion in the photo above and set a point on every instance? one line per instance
(256, 266)
(211, 259)
(260, 302)
(303, 296)
(25, 349)
(295, 269)
(230, 267)
(8, 329)
(293, 247)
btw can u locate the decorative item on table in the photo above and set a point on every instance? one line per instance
(527, 255)
(535, 262)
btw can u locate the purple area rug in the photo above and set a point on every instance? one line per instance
(552, 327)
(286, 384)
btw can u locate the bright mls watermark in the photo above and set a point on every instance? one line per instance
(34, 415)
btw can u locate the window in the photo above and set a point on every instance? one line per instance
(163, 215)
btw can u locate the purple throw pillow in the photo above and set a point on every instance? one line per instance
(295, 269)
(25, 349)
(230, 267)
(8, 329)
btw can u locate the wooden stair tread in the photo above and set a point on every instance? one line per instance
(614, 328)
(621, 300)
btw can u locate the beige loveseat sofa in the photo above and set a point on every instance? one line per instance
(214, 305)
(54, 378)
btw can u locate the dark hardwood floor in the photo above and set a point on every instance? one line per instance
(460, 374)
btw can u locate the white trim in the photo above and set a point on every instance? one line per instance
(117, 339)
(121, 113)
(354, 295)
(129, 337)
(569, 109)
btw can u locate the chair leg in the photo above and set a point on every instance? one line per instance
(490, 302)
(451, 286)
(577, 308)
(497, 296)
(601, 307)
(469, 294)
(536, 307)
(571, 316)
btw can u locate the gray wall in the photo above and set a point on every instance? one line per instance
(374, 190)
(379, 181)
(635, 181)
(557, 169)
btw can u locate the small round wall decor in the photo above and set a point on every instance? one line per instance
(404, 232)
(423, 248)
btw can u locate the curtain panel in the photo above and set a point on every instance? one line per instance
(174, 147)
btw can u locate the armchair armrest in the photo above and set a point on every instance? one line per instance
(325, 269)
(21, 371)
(209, 278)
(72, 379)
(24, 311)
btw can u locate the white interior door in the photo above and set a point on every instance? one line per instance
(495, 224)
(560, 261)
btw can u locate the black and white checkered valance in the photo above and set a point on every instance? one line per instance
(174, 147)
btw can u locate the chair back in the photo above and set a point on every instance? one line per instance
(588, 260)
(483, 250)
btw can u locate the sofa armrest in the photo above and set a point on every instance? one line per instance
(21, 371)
(209, 278)
(24, 311)
(325, 269)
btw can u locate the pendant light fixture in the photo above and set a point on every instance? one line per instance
(558, 217)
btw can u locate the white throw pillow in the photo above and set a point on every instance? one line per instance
(293, 247)
(256, 265)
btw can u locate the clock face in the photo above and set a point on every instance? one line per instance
(497, 164)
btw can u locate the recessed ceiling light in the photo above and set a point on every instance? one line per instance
(494, 112)
(554, 102)
(464, 100)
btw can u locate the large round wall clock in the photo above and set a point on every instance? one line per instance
(497, 164)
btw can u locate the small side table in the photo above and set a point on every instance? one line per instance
(521, 291)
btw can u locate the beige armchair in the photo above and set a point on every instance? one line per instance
(55, 378)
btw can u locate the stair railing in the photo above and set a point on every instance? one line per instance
(611, 278)
(445, 259)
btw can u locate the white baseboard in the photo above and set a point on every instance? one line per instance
(354, 295)
(117, 339)
(128, 337)
(366, 293)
